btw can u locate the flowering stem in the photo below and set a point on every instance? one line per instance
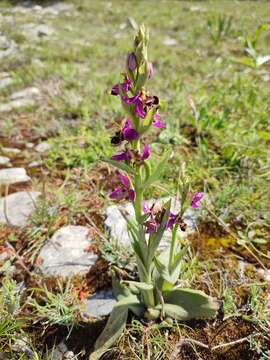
(172, 245)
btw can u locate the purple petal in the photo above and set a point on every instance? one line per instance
(145, 208)
(131, 100)
(115, 90)
(127, 124)
(171, 221)
(130, 134)
(139, 110)
(124, 180)
(131, 195)
(123, 156)
(158, 124)
(126, 84)
(116, 194)
(156, 117)
(146, 152)
(195, 201)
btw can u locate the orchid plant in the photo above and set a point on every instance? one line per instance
(156, 295)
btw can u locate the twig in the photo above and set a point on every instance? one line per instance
(18, 257)
(187, 341)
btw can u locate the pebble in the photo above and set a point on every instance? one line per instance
(169, 41)
(18, 207)
(13, 176)
(5, 80)
(43, 147)
(28, 93)
(66, 252)
(11, 151)
(4, 160)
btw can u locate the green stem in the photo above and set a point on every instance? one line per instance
(172, 246)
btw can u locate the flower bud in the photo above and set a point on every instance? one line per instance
(150, 70)
(131, 62)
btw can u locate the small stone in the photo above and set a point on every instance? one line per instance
(34, 164)
(43, 147)
(4, 160)
(30, 145)
(35, 32)
(169, 41)
(117, 226)
(17, 208)
(11, 151)
(66, 252)
(16, 104)
(7, 47)
(27, 93)
(5, 80)
(265, 274)
(13, 176)
(100, 304)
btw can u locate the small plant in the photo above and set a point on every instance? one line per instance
(60, 308)
(218, 26)
(254, 58)
(157, 295)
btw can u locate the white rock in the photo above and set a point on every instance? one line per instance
(43, 147)
(5, 80)
(66, 252)
(265, 274)
(13, 176)
(16, 208)
(16, 104)
(169, 41)
(34, 32)
(100, 304)
(28, 93)
(7, 47)
(11, 151)
(117, 226)
(4, 160)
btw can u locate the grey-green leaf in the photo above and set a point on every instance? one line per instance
(195, 302)
(112, 331)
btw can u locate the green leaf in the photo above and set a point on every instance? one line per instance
(175, 311)
(121, 166)
(112, 331)
(195, 302)
(158, 171)
(140, 285)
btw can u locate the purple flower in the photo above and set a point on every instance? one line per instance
(129, 134)
(132, 100)
(150, 70)
(157, 122)
(115, 90)
(171, 221)
(131, 62)
(124, 191)
(125, 86)
(195, 201)
(139, 109)
(146, 152)
(123, 156)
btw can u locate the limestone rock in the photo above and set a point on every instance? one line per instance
(100, 304)
(43, 147)
(16, 208)
(66, 252)
(13, 176)
(4, 160)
